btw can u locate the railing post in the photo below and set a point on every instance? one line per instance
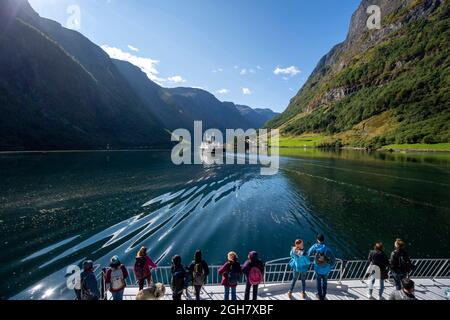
(341, 272)
(442, 268)
(103, 291)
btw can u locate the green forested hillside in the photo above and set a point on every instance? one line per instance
(388, 86)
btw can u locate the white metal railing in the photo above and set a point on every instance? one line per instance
(278, 271)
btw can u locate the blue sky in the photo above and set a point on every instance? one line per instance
(253, 52)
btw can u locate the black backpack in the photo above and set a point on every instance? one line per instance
(405, 264)
(139, 267)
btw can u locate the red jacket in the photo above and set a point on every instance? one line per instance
(149, 264)
(108, 278)
(225, 271)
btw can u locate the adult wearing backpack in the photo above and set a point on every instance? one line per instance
(116, 277)
(377, 258)
(323, 261)
(253, 269)
(142, 268)
(179, 274)
(89, 284)
(199, 270)
(231, 272)
(400, 263)
(300, 264)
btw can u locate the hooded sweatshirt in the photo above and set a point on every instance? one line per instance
(252, 262)
(322, 248)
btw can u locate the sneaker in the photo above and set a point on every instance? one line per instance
(381, 298)
(289, 294)
(369, 296)
(303, 295)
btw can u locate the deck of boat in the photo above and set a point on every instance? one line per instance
(348, 290)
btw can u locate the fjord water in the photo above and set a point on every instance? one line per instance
(56, 209)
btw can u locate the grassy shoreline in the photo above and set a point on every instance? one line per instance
(316, 140)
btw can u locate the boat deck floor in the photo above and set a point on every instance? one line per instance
(426, 289)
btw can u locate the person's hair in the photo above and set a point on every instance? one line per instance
(232, 254)
(399, 243)
(142, 252)
(408, 284)
(176, 261)
(321, 238)
(298, 242)
(198, 256)
(379, 246)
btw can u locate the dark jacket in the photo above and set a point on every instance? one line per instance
(400, 262)
(251, 263)
(226, 269)
(179, 274)
(89, 286)
(379, 259)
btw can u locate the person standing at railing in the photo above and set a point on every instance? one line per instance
(179, 277)
(199, 270)
(253, 269)
(300, 264)
(143, 267)
(116, 277)
(379, 259)
(400, 263)
(231, 272)
(89, 284)
(323, 262)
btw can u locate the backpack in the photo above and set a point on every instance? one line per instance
(233, 277)
(321, 258)
(198, 275)
(255, 276)
(117, 279)
(405, 264)
(139, 267)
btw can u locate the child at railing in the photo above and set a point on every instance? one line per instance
(300, 264)
(231, 272)
(142, 268)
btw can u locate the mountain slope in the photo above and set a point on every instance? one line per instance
(50, 100)
(258, 117)
(58, 90)
(381, 86)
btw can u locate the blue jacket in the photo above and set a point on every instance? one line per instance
(299, 263)
(322, 248)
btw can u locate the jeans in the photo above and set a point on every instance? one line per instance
(227, 293)
(248, 287)
(302, 276)
(398, 277)
(372, 283)
(322, 285)
(117, 296)
(198, 289)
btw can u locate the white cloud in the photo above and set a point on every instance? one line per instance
(243, 72)
(176, 79)
(133, 48)
(223, 91)
(147, 65)
(236, 67)
(217, 70)
(289, 71)
(259, 67)
(246, 91)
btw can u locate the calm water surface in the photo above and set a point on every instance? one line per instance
(57, 209)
